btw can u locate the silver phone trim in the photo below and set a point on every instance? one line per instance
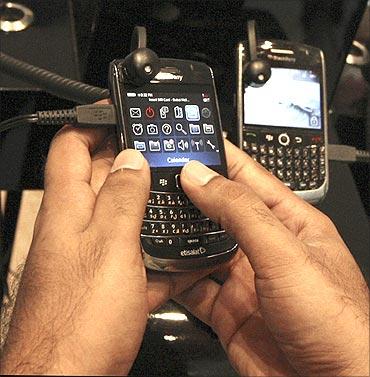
(316, 195)
(175, 265)
(311, 196)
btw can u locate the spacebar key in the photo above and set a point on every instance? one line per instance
(190, 241)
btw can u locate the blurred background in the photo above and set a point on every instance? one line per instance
(78, 38)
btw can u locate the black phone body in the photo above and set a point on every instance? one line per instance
(283, 124)
(172, 120)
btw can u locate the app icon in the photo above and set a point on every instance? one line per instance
(135, 112)
(140, 145)
(183, 145)
(180, 128)
(206, 112)
(154, 145)
(166, 128)
(314, 121)
(208, 129)
(169, 145)
(163, 111)
(194, 128)
(192, 112)
(149, 112)
(210, 145)
(137, 129)
(197, 145)
(152, 129)
(178, 112)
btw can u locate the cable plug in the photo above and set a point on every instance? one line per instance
(80, 116)
(95, 115)
(347, 153)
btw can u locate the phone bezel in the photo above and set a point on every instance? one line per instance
(196, 75)
(306, 57)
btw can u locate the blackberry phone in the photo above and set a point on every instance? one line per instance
(283, 123)
(171, 120)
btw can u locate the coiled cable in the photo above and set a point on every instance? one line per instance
(51, 82)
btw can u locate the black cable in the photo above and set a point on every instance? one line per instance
(252, 40)
(81, 116)
(105, 115)
(18, 121)
(19, 117)
(51, 82)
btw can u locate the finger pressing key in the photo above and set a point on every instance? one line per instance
(243, 214)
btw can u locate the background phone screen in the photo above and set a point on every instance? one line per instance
(290, 98)
(171, 128)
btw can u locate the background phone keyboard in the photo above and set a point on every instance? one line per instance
(300, 165)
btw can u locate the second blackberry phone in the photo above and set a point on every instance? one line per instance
(171, 120)
(283, 123)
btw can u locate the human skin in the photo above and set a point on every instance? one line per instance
(293, 303)
(84, 296)
(293, 300)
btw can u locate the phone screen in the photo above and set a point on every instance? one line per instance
(172, 128)
(290, 98)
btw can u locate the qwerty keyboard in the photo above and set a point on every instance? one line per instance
(299, 167)
(172, 220)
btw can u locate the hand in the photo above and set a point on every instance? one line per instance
(293, 300)
(84, 298)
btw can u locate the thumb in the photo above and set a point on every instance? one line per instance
(121, 202)
(270, 247)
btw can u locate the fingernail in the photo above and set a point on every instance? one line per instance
(198, 173)
(128, 159)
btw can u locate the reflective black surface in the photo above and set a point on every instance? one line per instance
(177, 344)
(209, 30)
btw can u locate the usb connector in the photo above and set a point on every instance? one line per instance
(95, 115)
(347, 153)
(80, 116)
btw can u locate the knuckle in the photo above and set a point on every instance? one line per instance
(323, 223)
(64, 134)
(236, 202)
(127, 206)
(127, 197)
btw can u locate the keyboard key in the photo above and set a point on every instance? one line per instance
(159, 242)
(190, 241)
(288, 175)
(263, 149)
(280, 151)
(288, 152)
(223, 236)
(254, 148)
(263, 161)
(211, 238)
